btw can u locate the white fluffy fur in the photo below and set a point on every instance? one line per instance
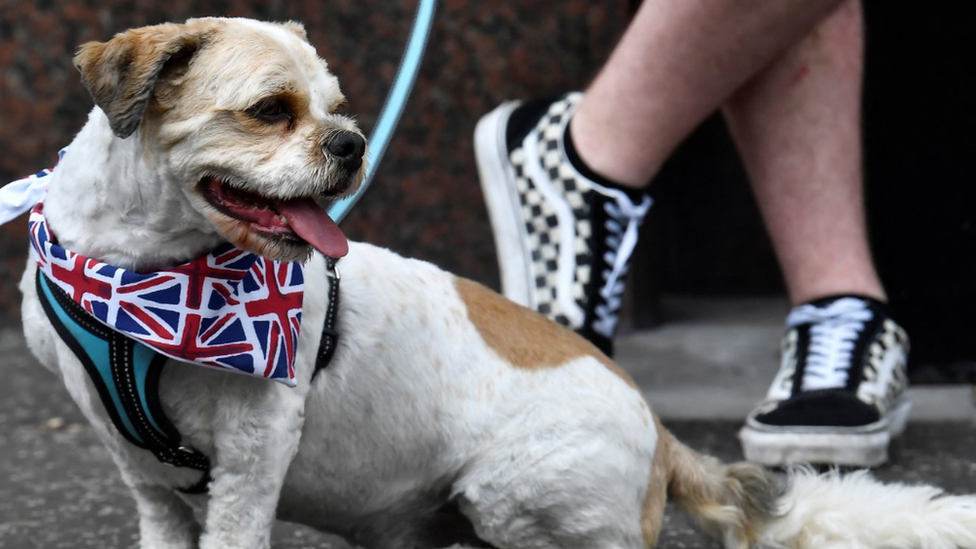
(416, 409)
(834, 511)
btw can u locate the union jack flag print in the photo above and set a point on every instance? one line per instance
(229, 309)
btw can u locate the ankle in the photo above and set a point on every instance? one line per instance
(820, 293)
(614, 168)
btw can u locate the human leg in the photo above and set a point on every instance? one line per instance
(840, 392)
(797, 126)
(676, 64)
(563, 204)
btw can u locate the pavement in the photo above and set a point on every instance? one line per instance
(702, 372)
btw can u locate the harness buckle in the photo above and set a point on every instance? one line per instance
(332, 269)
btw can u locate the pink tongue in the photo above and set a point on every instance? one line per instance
(315, 226)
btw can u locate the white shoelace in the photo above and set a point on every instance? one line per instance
(625, 219)
(833, 333)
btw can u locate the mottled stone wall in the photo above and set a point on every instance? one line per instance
(425, 202)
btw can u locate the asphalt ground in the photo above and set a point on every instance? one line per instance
(59, 488)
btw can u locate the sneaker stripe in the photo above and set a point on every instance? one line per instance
(563, 231)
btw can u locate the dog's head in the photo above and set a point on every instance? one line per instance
(241, 115)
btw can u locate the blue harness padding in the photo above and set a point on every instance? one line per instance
(126, 375)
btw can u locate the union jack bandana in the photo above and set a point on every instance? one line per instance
(19, 196)
(229, 309)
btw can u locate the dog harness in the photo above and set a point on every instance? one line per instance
(123, 326)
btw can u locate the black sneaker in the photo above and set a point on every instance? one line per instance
(840, 394)
(563, 241)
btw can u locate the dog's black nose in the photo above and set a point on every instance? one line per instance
(347, 148)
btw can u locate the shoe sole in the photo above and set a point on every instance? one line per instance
(856, 447)
(502, 200)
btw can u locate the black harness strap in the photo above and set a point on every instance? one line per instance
(330, 336)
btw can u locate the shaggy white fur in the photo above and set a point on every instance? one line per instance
(853, 511)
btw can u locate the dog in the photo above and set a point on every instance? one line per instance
(448, 416)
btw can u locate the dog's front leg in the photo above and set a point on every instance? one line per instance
(242, 505)
(165, 522)
(240, 513)
(252, 457)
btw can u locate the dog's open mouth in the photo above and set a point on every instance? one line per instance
(298, 220)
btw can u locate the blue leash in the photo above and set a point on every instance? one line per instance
(395, 103)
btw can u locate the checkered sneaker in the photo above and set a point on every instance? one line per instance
(841, 391)
(563, 241)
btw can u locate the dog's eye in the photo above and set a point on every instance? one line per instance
(271, 110)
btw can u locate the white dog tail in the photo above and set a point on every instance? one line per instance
(744, 505)
(834, 510)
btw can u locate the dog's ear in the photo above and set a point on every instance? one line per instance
(120, 74)
(297, 28)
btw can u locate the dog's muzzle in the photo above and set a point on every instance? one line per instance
(347, 148)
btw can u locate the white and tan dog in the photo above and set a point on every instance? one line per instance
(448, 415)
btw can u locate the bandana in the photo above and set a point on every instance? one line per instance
(229, 309)
(18, 197)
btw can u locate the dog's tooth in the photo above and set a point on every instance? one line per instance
(284, 220)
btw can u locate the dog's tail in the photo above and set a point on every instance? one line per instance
(732, 503)
(744, 505)
(855, 510)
